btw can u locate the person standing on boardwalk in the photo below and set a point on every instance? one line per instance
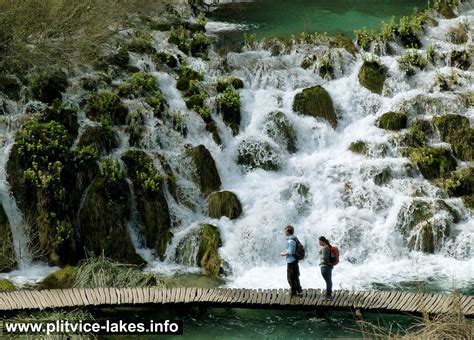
(292, 268)
(325, 265)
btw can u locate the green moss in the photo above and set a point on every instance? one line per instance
(141, 84)
(180, 36)
(199, 45)
(410, 60)
(61, 279)
(151, 202)
(455, 129)
(136, 128)
(433, 162)
(447, 12)
(341, 40)
(185, 78)
(96, 81)
(393, 121)
(8, 259)
(228, 104)
(222, 84)
(254, 154)
(316, 102)
(6, 286)
(106, 104)
(141, 44)
(99, 138)
(372, 76)
(191, 280)
(460, 183)
(418, 132)
(108, 196)
(205, 170)
(460, 59)
(469, 202)
(407, 30)
(165, 58)
(63, 115)
(47, 87)
(280, 129)
(208, 239)
(359, 147)
(383, 176)
(224, 203)
(10, 85)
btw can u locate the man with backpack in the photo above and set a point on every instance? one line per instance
(329, 257)
(294, 252)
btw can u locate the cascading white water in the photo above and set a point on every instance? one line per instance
(322, 189)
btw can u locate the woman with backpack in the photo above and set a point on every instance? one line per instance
(326, 264)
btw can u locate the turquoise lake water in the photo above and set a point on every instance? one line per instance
(269, 18)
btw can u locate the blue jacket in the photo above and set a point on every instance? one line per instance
(290, 248)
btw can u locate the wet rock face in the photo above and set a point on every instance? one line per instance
(103, 220)
(200, 247)
(393, 121)
(205, 170)
(455, 129)
(433, 162)
(316, 102)
(372, 76)
(7, 254)
(152, 206)
(281, 131)
(224, 203)
(425, 224)
(253, 154)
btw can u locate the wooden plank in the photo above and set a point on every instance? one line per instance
(429, 302)
(28, 299)
(434, 301)
(436, 308)
(347, 300)
(405, 302)
(7, 301)
(382, 300)
(50, 298)
(393, 300)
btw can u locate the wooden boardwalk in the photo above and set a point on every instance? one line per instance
(312, 299)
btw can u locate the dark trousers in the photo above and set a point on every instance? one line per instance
(326, 272)
(293, 276)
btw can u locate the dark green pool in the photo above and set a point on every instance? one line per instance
(270, 18)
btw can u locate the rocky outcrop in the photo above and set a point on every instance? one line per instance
(205, 171)
(224, 203)
(316, 102)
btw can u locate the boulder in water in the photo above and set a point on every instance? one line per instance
(455, 129)
(253, 154)
(372, 76)
(200, 247)
(205, 170)
(236, 83)
(61, 279)
(460, 183)
(281, 131)
(316, 102)
(224, 203)
(8, 259)
(433, 162)
(228, 104)
(359, 147)
(393, 121)
(47, 87)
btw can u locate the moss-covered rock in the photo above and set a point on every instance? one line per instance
(433, 162)
(108, 105)
(186, 76)
(228, 104)
(165, 58)
(425, 225)
(151, 201)
(253, 154)
(457, 35)
(341, 40)
(6, 286)
(447, 12)
(141, 84)
(372, 76)
(316, 102)
(200, 247)
(102, 139)
(61, 279)
(199, 45)
(96, 81)
(205, 170)
(222, 84)
(10, 85)
(460, 183)
(418, 133)
(461, 59)
(279, 128)
(393, 121)
(7, 254)
(224, 203)
(455, 129)
(383, 176)
(359, 147)
(104, 215)
(47, 87)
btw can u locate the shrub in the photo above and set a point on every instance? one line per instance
(110, 170)
(412, 59)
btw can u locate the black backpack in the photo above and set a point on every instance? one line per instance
(299, 252)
